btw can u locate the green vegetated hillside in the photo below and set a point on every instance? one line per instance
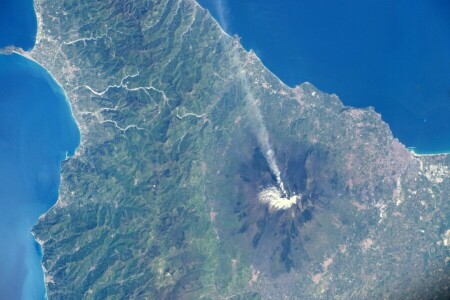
(161, 199)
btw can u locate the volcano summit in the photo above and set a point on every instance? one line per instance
(172, 193)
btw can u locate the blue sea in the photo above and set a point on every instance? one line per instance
(37, 132)
(392, 55)
(18, 24)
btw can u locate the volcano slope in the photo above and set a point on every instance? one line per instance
(173, 192)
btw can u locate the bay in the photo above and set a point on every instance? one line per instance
(37, 132)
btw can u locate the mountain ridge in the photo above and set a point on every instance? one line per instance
(160, 199)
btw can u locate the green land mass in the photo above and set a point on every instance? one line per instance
(161, 199)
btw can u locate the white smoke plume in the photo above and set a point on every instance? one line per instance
(259, 127)
(262, 136)
(222, 12)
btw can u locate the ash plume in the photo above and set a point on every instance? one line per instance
(221, 14)
(258, 126)
(262, 135)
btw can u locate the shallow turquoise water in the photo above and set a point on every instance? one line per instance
(37, 130)
(393, 55)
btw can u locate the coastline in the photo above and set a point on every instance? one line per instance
(27, 54)
(425, 142)
(60, 198)
(251, 52)
(416, 154)
(43, 73)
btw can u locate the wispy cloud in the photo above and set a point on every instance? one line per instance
(222, 13)
(258, 126)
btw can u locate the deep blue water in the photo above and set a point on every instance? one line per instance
(37, 131)
(18, 23)
(393, 55)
